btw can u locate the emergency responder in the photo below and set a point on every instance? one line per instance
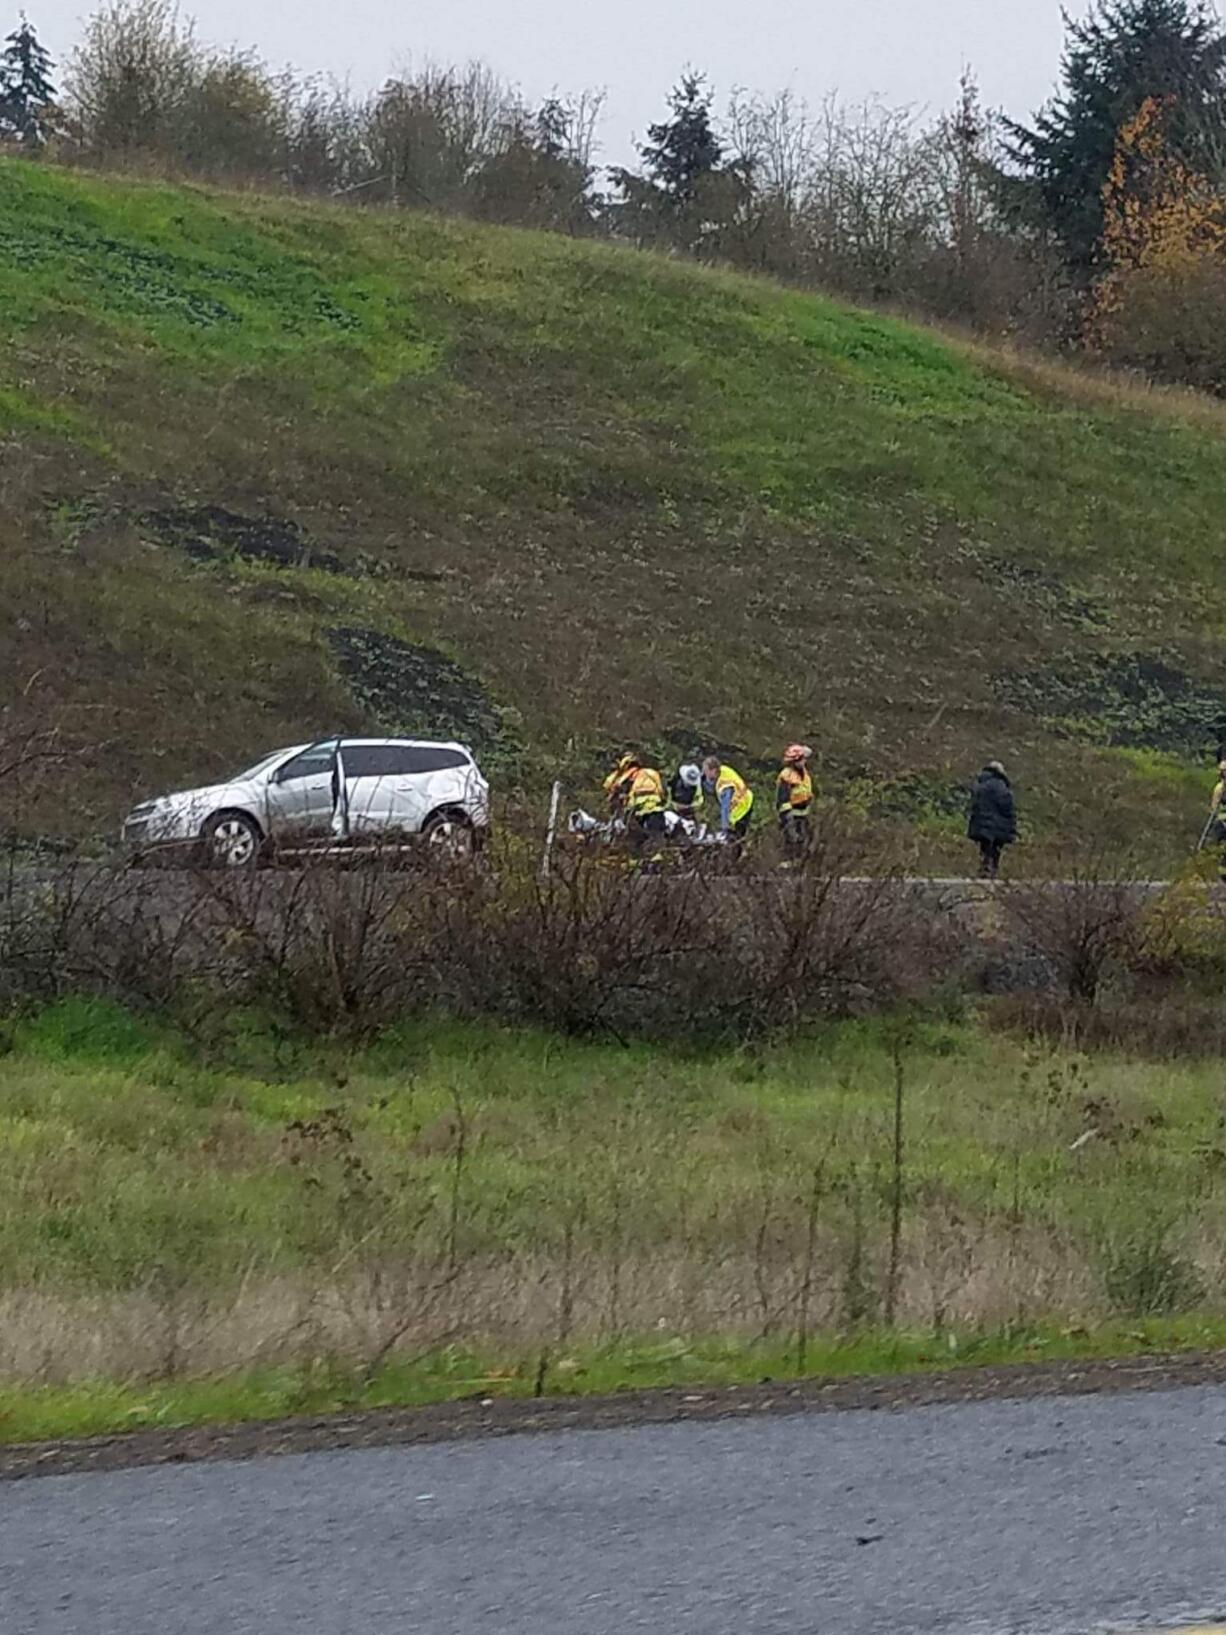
(617, 784)
(794, 795)
(733, 794)
(646, 802)
(686, 792)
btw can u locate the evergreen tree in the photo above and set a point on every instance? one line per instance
(682, 150)
(26, 91)
(553, 129)
(1122, 54)
(687, 196)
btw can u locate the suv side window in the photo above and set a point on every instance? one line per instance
(375, 760)
(426, 758)
(318, 759)
(399, 760)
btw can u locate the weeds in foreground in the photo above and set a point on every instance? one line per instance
(167, 1220)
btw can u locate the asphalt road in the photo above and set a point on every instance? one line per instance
(1054, 1515)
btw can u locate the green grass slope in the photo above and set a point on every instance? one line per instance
(270, 468)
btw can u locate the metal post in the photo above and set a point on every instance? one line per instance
(555, 801)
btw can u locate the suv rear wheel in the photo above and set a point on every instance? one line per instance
(450, 832)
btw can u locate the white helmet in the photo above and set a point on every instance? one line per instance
(690, 776)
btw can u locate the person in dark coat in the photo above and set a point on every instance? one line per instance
(993, 817)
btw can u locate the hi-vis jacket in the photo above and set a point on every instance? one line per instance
(794, 791)
(647, 793)
(617, 786)
(734, 795)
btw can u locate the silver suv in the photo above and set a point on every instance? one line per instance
(333, 795)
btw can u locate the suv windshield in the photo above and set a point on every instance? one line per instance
(261, 766)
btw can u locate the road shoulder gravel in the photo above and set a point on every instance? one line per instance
(478, 1417)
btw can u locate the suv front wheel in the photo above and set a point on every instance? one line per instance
(232, 840)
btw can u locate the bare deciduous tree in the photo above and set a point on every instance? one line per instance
(130, 78)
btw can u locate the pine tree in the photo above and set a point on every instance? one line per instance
(680, 151)
(552, 131)
(26, 91)
(687, 196)
(1124, 53)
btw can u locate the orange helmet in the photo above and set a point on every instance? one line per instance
(796, 753)
(629, 761)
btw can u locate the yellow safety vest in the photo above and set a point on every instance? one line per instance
(799, 789)
(617, 786)
(742, 794)
(646, 793)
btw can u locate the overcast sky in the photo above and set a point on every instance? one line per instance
(905, 51)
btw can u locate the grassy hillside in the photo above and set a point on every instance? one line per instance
(270, 468)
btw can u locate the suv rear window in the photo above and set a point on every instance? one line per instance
(399, 760)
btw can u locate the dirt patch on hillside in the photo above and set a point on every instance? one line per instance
(1124, 701)
(1043, 593)
(210, 533)
(417, 691)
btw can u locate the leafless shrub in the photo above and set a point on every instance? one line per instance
(336, 946)
(836, 196)
(43, 891)
(73, 925)
(699, 948)
(838, 933)
(32, 745)
(1084, 924)
(590, 948)
(428, 134)
(874, 198)
(871, 201)
(325, 149)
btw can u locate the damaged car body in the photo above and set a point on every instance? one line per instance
(336, 796)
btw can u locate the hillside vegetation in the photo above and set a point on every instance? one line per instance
(272, 468)
(281, 1229)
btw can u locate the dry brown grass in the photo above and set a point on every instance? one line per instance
(953, 1279)
(1082, 379)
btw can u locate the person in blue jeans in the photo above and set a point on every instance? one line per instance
(733, 794)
